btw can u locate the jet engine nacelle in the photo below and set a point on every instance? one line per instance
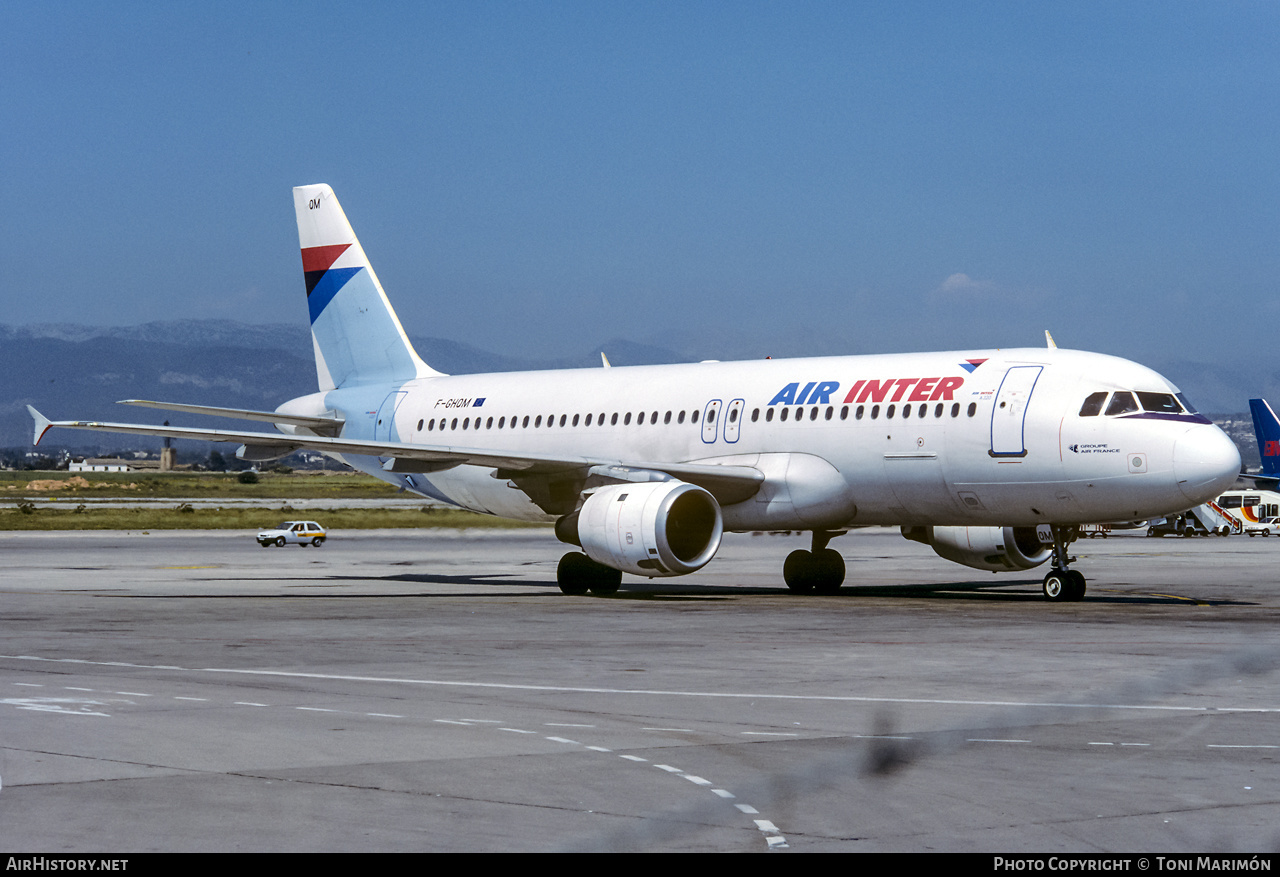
(656, 528)
(998, 549)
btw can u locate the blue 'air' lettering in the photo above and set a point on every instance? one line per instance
(794, 394)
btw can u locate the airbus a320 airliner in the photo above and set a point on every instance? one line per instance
(991, 457)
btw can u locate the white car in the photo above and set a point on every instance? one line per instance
(302, 533)
(1262, 528)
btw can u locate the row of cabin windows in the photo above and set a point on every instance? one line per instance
(861, 411)
(537, 422)
(1123, 402)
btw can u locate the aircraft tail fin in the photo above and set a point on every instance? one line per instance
(357, 336)
(1267, 427)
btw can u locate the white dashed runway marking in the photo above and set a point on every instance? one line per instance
(104, 705)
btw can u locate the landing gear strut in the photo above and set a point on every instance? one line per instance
(1062, 584)
(820, 571)
(578, 574)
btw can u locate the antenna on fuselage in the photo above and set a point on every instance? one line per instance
(1048, 339)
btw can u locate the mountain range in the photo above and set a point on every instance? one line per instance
(73, 371)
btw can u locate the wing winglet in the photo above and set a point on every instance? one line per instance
(42, 424)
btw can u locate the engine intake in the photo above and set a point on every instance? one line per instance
(657, 528)
(998, 549)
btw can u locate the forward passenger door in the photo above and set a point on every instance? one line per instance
(1009, 413)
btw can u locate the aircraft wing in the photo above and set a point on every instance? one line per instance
(726, 483)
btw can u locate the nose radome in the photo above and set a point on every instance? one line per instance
(1205, 462)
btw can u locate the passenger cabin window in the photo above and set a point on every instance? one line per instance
(1092, 406)
(1121, 403)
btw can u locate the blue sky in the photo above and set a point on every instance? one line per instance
(736, 179)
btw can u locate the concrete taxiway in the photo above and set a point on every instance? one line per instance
(433, 690)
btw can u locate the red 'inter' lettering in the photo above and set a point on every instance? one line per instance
(925, 390)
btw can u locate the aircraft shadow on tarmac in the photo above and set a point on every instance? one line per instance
(944, 591)
(689, 590)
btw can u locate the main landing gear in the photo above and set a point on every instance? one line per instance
(578, 574)
(1062, 584)
(820, 571)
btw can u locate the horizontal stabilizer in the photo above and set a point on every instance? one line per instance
(322, 425)
(1262, 482)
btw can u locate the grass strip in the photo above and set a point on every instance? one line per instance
(188, 518)
(19, 485)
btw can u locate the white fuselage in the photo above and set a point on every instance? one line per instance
(956, 438)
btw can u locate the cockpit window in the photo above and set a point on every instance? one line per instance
(1121, 403)
(1185, 404)
(1092, 406)
(1161, 403)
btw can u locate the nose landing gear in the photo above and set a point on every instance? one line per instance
(1062, 584)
